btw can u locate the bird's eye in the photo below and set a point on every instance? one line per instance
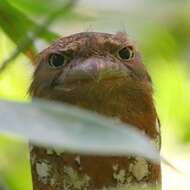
(56, 60)
(126, 53)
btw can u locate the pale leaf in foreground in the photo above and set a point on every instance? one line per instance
(59, 125)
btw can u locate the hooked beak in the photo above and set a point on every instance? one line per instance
(93, 70)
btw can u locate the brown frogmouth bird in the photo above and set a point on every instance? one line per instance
(103, 73)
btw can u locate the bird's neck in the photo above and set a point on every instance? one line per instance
(130, 102)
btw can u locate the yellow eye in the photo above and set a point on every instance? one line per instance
(126, 53)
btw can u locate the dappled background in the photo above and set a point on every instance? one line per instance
(161, 29)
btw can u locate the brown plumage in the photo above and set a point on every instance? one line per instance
(103, 73)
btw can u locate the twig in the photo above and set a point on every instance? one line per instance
(174, 168)
(37, 31)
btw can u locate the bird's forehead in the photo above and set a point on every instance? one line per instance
(91, 40)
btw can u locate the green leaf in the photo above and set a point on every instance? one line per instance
(36, 7)
(63, 126)
(25, 36)
(18, 26)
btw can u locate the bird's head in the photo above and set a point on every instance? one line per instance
(88, 61)
(98, 71)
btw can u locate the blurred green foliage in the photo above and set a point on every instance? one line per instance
(163, 35)
(15, 80)
(17, 175)
(18, 26)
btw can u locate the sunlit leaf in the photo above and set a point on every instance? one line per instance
(25, 43)
(17, 25)
(67, 127)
